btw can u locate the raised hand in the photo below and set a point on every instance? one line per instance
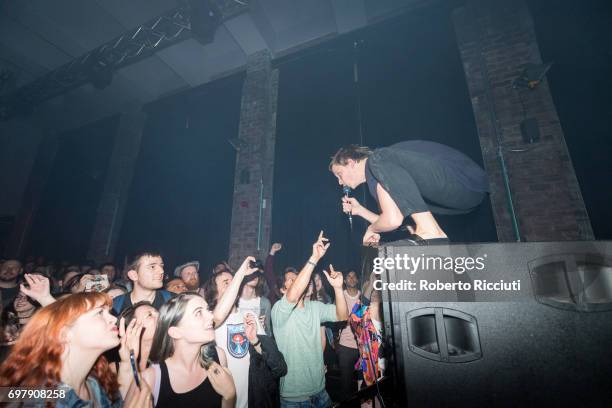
(222, 381)
(39, 288)
(250, 327)
(277, 246)
(245, 268)
(130, 339)
(82, 285)
(334, 277)
(370, 238)
(320, 247)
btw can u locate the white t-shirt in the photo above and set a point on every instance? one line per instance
(231, 337)
(251, 305)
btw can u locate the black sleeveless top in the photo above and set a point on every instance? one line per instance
(202, 395)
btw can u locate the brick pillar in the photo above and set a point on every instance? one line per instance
(496, 39)
(254, 161)
(111, 209)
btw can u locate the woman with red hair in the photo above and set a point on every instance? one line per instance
(61, 348)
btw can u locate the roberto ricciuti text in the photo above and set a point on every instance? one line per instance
(437, 285)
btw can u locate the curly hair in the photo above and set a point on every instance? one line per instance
(35, 359)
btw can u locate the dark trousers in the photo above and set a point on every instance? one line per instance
(347, 357)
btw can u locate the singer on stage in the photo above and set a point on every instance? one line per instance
(410, 179)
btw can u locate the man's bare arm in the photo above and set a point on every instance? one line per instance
(391, 217)
(227, 301)
(335, 279)
(301, 282)
(350, 204)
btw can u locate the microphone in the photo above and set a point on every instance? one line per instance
(346, 190)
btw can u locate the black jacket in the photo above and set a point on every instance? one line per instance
(265, 371)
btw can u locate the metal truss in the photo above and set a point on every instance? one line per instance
(98, 65)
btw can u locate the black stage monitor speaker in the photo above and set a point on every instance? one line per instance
(503, 324)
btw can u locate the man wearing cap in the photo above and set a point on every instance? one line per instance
(188, 272)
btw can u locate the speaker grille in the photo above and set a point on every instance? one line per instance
(443, 334)
(579, 282)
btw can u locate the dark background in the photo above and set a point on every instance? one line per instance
(181, 194)
(577, 38)
(411, 86)
(64, 222)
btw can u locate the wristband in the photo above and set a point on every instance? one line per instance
(309, 262)
(256, 344)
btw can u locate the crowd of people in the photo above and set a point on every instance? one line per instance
(141, 338)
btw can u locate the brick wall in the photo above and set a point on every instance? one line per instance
(255, 159)
(496, 38)
(109, 217)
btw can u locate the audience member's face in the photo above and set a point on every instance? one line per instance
(253, 282)
(317, 281)
(176, 286)
(109, 270)
(10, 270)
(94, 271)
(290, 277)
(351, 280)
(189, 275)
(223, 281)
(22, 303)
(68, 276)
(197, 326)
(309, 290)
(150, 272)
(94, 330)
(147, 315)
(113, 293)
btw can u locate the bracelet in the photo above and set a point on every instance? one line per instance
(256, 344)
(309, 262)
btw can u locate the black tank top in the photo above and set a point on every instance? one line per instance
(202, 395)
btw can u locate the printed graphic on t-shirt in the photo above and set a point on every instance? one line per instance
(237, 343)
